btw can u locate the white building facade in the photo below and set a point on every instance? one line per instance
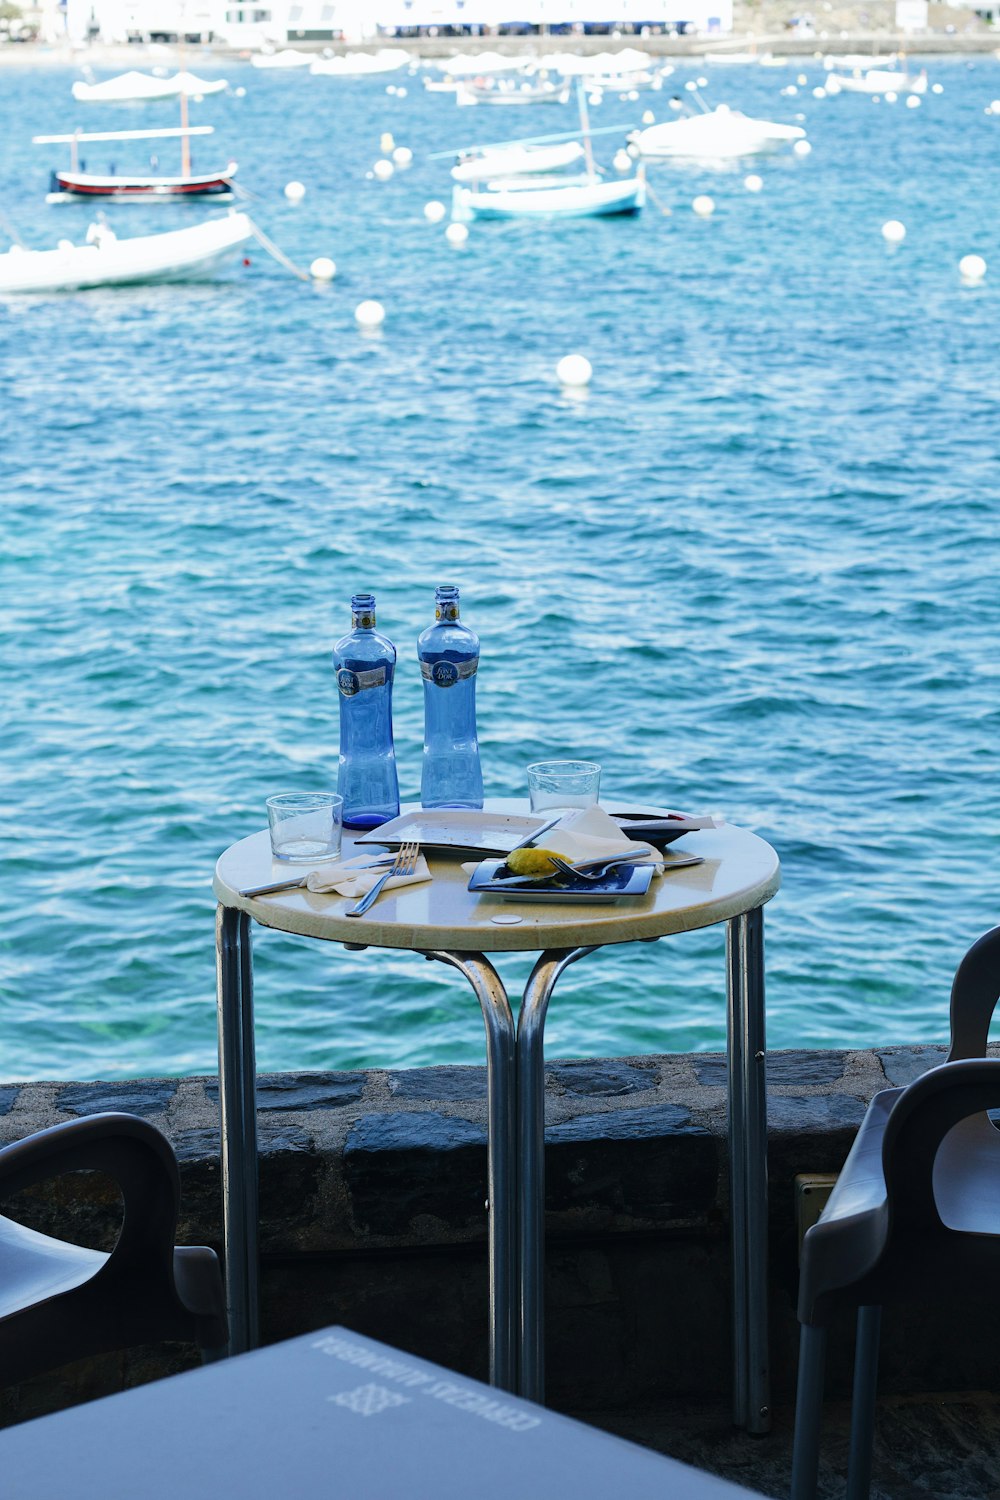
(251, 23)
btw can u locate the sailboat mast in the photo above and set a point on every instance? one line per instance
(585, 128)
(185, 139)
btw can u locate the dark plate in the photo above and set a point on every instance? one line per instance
(617, 885)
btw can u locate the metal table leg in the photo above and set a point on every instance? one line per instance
(238, 1101)
(531, 1164)
(501, 1164)
(748, 1168)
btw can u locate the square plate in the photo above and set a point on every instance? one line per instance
(617, 885)
(456, 830)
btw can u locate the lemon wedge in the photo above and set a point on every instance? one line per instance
(530, 862)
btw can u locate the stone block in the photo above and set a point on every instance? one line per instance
(409, 1165)
(601, 1076)
(292, 1091)
(439, 1084)
(145, 1097)
(653, 1163)
(8, 1097)
(795, 1068)
(903, 1064)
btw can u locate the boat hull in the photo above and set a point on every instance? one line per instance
(180, 255)
(573, 202)
(94, 185)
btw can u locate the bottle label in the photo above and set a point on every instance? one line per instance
(351, 683)
(447, 673)
(363, 619)
(446, 611)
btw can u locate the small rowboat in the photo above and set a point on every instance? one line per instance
(503, 93)
(516, 161)
(105, 260)
(93, 185)
(131, 87)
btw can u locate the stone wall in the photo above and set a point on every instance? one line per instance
(372, 1204)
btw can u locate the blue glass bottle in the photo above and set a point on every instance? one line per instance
(449, 659)
(365, 663)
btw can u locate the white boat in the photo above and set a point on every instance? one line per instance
(717, 135)
(497, 91)
(142, 186)
(579, 199)
(360, 64)
(479, 65)
(516, 161)
(128, 88)
(876, 81)
(105, 260)
(289, 57)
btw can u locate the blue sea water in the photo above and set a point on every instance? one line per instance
(753, 569)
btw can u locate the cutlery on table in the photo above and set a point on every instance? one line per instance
(597, 869)
(300, 881)
(404, 863)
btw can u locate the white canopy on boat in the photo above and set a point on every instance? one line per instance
(461, 66)
(629, 60)
(137, 86)
(719, 134)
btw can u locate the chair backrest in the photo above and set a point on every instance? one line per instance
(974, 996)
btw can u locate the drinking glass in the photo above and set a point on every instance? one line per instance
(306, 827)
(563, 783)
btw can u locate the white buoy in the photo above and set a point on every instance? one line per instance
(937, 88)
(241, 92)
(434, 211)
(890, 97)
(913, 101)
(802, 148)
(456, 234)
(402, 156)
(972, 268)
(595, 98)
(390, 88)
(323, 269)
(401, 92)
(648, 118)
(383, 169)
(690, 85)
(369, 314)
(790, 91)
(574, 370)
(703, 205)
(386, 142)
(622, 162)
(802, 80)
(703, 83)
(819, 93)
(994, 108)
(294, 192)
(893, 232)
(753, 183)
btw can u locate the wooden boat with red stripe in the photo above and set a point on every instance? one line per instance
(98, 185)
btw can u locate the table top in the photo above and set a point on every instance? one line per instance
(740, 872)
(329, 1414)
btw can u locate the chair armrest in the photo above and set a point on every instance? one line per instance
(124, 1147)
(974, 995)
(923, 1115)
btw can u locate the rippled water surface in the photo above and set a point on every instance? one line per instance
(754, 569)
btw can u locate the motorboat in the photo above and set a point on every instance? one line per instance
(133, 87)
(516, 161)
(190, 254)
(585, 197)
(716, 135)
(876, 81)
(497, 91)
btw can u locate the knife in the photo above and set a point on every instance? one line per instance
(536, 832)
(300, 880)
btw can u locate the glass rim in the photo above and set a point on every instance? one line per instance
(304, 799)
(564, 767)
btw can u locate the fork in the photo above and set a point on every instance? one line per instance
(564, 868)
(404, 864)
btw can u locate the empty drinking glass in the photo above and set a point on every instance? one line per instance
(306, 827)
(563, 783)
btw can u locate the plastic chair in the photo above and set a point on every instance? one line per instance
(61, 1302)
(914, 1216)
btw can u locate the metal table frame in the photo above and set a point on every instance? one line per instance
(516, 1153)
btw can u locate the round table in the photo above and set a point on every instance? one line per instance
(443, 920)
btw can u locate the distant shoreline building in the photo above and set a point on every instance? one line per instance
(256, 23)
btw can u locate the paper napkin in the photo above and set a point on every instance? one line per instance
(348, 877)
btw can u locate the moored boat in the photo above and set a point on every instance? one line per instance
(502, 92)
(876, 81)
(94, 185)
(133, 87)
(572, 200)
(717, 135)
(105, 260)
(516, 161)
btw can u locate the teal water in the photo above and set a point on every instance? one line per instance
(754, 569)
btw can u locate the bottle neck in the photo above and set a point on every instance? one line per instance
(363, 612)
(447, 605)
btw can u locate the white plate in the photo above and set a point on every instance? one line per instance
(456, 830)
(618, 885)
